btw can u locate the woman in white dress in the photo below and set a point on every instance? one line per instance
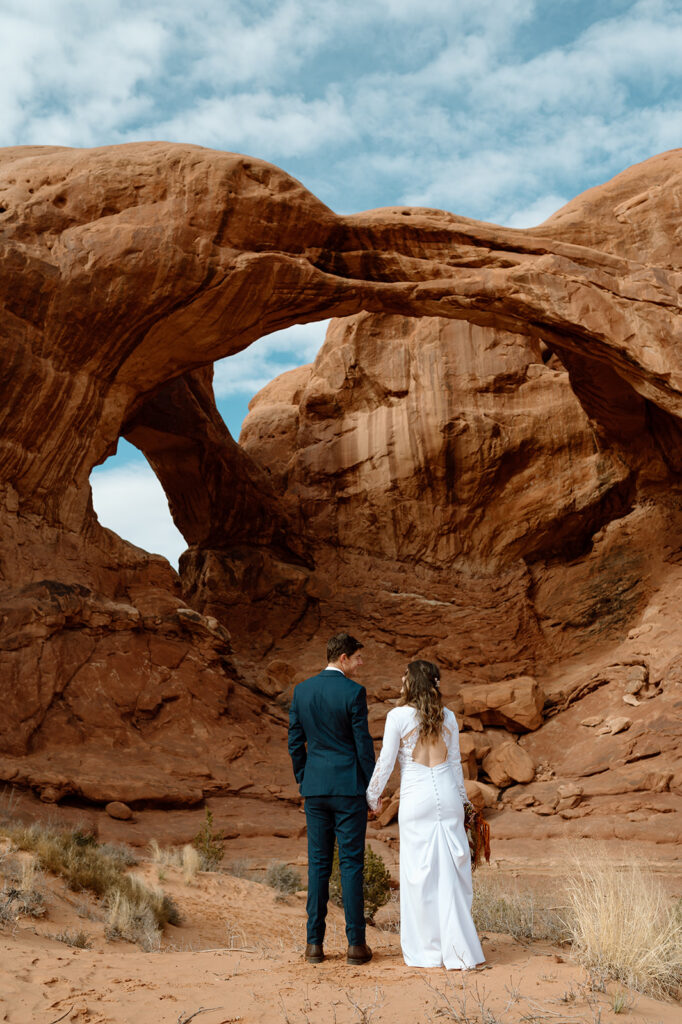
(436, 927)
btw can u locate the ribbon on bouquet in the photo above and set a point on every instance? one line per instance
(478, 833)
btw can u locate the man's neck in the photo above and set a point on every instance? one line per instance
(334, 668)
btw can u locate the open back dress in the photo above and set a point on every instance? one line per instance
(436, 927)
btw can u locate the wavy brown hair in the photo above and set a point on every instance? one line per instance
(422, 693)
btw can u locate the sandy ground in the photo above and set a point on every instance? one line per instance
(237, 956)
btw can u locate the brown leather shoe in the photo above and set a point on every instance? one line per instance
(314, 953)
(358, 955)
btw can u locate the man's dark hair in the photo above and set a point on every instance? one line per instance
(340, 644)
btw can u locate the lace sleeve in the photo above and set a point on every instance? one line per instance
(384, 766)
(455, 757)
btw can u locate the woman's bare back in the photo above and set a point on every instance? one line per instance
(430, 752)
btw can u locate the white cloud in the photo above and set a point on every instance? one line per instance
(129, 500)
(250, 370)
(455, 103)
(537, 212)
(262, 123)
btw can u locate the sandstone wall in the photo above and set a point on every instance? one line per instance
(479, 511)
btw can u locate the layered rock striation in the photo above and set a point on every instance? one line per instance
(482, 465)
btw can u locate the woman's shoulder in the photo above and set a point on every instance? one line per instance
(401, 713)
(449, 716)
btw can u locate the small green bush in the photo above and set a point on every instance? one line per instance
(283, 878)
(376, 883)
(209, 845)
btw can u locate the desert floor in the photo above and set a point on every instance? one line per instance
(237, 956)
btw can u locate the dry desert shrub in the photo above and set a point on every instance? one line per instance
(525, 916)
(20, 894)
(79, 940)
(28, 874)
(283, 878)
(623, 926)
(130, 917)
(240, 868)
(81, 861)
(120, 852)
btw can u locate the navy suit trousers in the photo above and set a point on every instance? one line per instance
(343, 817)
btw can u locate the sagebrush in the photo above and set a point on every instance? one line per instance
(283, 878)
(376, 882)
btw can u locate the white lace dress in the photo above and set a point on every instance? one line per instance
(436, 927)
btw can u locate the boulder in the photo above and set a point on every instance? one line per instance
(619, 724)
(516, 705)
(571, 813)
(117, 809)
(522, 801)
(569, 789)
(475, 794)
(278, 676)
(51, 794)
(390, 810)
(569, 802)
(543, 809)
(509, 763)
(490, 793)
(476, 743)
(467, 750)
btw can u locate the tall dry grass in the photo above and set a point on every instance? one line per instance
(498, 906)
(191, 864)
(27, 882)
(617, 919)
(139, 913)
(134, 914)
(622, 925)
(188, 859)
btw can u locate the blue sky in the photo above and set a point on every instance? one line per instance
(500, 110)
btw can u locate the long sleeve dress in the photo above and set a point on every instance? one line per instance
(436, 927)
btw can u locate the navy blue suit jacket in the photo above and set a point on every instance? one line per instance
(329, 742)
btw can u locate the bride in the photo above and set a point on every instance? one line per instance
(436, 927)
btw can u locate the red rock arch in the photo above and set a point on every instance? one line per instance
(128, 270)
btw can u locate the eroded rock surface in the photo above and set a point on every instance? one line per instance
(495, 485)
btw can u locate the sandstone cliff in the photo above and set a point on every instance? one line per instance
(482, 465)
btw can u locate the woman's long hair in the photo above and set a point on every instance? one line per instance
(422, 693)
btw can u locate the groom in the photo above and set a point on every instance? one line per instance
(333, 758)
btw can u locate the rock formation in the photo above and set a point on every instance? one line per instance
(482, 465)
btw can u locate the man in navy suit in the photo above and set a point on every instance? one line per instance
(333, 758)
